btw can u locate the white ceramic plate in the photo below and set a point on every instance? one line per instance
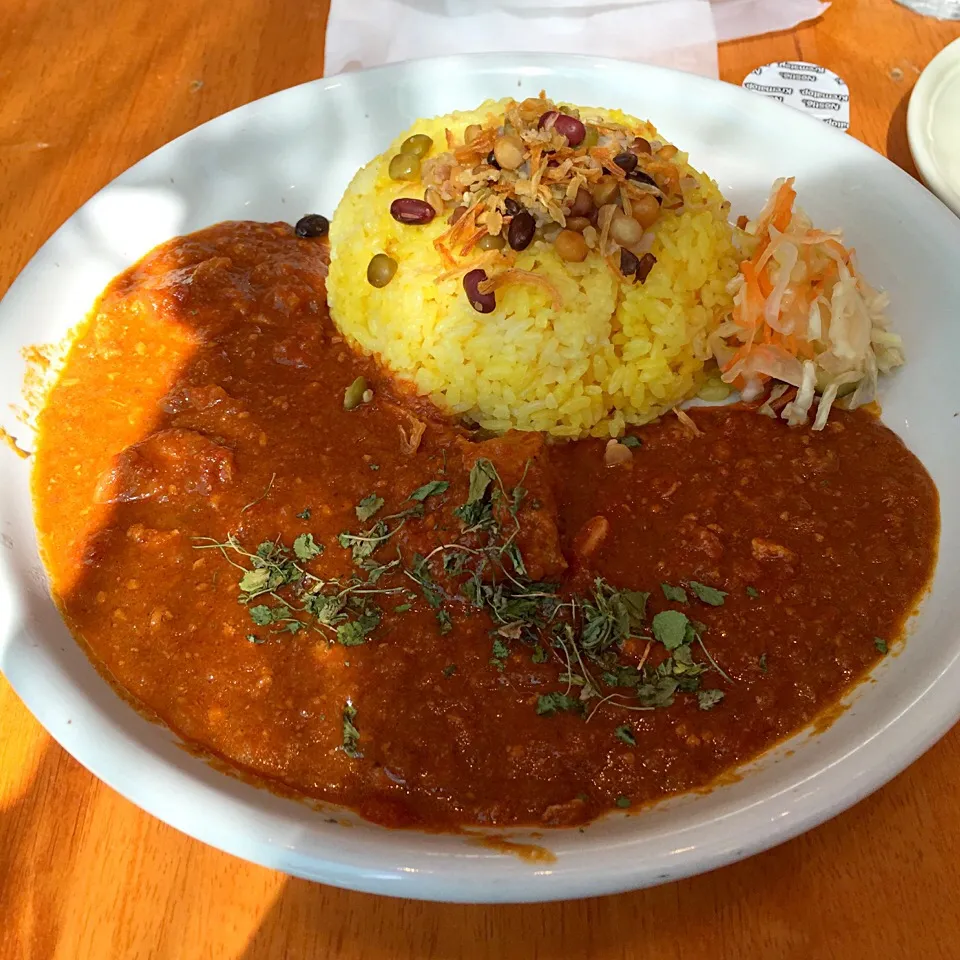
(293, 153)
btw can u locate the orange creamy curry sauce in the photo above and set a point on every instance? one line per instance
(379, 608)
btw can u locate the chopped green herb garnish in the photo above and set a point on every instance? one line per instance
(374, 466)
(674, 594)
(623, 802)
(306, 548)
(351, 735)
(550, 703)
(478, 509)
(368, 506)
(763, 662)
(304, 514)
(431, 489)
(449, 670)
(354, 632)
(659, 692)
(611, 616)
(670, 628)
(880, 644)
(261, 615)
(263, 496)
(625, 733)
(484, 564)
(636, 603)
(753, 592)
(420, 574)
(253, 638)
(341, 607)
(500, 654)
(633, 442)
(255, 581)
(708, 699)
(708, 595)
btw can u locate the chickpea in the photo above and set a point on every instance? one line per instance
(570, 246)
(605, 191)
(645, 210)
(509, 152)
(578, 223)
(625, 230)
(606, 214)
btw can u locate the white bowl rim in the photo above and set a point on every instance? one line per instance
(917, 136)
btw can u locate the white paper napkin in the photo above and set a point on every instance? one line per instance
(675, 33)
(748, 18)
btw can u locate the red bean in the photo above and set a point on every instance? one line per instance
(641, 145)
(628, 262)
(411, 210)
(481, 302)
(521, 230)
(647, 262)
(511, 206)
(627, 161)
(571, 128)
(548, 119)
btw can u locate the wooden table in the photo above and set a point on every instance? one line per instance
(89, 88)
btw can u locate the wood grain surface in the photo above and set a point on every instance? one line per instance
(89, 88)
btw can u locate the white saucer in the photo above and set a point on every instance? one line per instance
(933, 125)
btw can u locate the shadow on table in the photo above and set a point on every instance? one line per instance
(898, 146)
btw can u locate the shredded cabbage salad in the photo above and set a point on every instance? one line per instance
(803, 316)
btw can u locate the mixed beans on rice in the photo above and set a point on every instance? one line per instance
(540, 174)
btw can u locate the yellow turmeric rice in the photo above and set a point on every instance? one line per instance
(572, 348)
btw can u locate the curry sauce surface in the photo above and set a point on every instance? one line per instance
(204, 400)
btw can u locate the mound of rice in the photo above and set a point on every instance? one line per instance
(613, 353)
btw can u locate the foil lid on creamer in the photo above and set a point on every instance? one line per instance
(807, 87)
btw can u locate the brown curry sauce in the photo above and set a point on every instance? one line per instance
(204, 398)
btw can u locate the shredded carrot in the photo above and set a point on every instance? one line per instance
(473, 240)
(759, 280)
(445, 254)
